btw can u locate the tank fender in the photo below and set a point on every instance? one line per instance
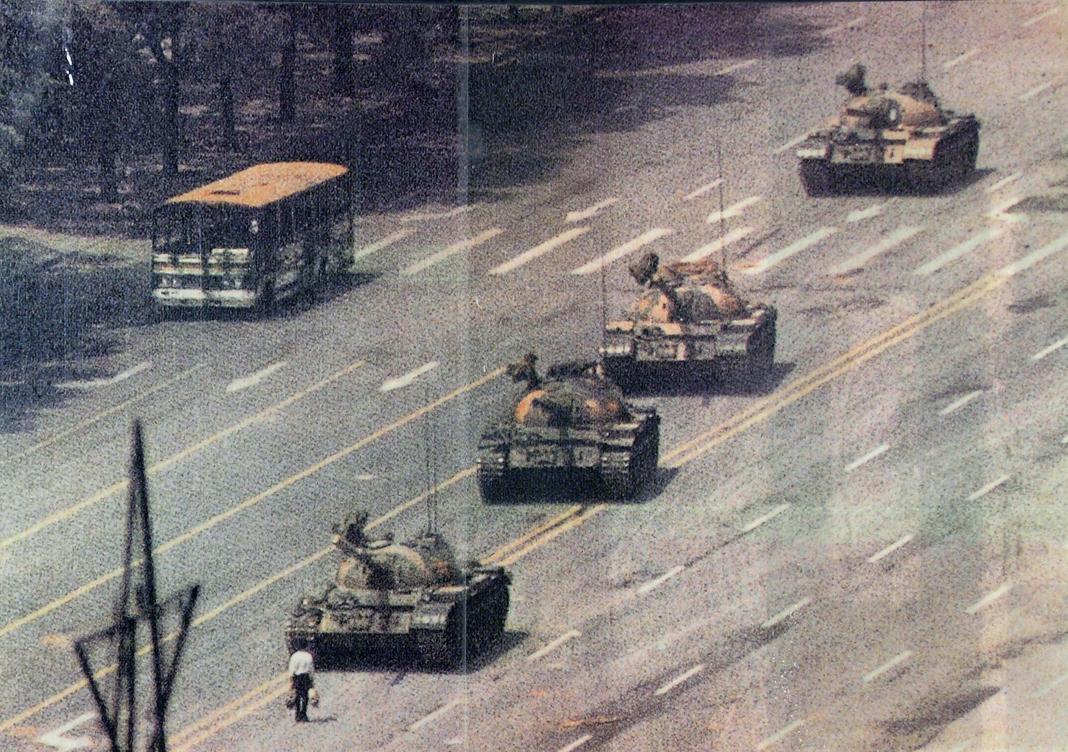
(814, 147)
(734, 342)
(431, 616)
(920, 148)
(494, 573)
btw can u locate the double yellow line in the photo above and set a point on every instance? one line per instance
(680, 455)
(578, 514)
(848, 361)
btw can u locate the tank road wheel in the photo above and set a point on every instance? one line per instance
(815, 177)
(493, 476)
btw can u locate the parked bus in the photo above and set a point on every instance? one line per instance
(258, 236)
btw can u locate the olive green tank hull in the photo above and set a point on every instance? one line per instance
(441, 627)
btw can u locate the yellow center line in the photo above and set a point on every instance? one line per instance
(120, 486)
(685, 452)
(234, 601)
(792, 392)
(536, 531)
(96, 418)
(251, 501)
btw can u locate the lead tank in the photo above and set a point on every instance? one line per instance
(902, 133)
(689, 322)
(387, 596)
(575, 424)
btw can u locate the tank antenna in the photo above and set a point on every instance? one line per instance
(719, 161)
(604, 308)
(923, 43)
(431, 501)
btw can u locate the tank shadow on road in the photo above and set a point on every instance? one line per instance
(401, 659)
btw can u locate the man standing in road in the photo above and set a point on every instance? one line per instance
(301, 667)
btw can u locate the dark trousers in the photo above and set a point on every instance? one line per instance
(301, 684)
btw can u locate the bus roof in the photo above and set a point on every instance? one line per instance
(262, 184)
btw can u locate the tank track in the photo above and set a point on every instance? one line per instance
(472, 627)
(817, 177)
(954, 160)
(493, 476)
(624, 472)
(623, 372)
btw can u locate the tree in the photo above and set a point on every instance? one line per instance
(287, 70)
(24, 78)
(344, 84)
(160, 25)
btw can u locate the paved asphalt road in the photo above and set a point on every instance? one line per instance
(868, 555)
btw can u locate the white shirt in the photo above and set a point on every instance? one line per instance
(300, 663)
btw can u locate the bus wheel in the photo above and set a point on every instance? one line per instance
(266, 303)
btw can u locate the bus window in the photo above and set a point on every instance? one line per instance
(175, 231)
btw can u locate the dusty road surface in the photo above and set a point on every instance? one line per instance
(867, 554)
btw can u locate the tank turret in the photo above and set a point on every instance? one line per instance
(385, 593)
(901, 133)
(689, 320)
(572, 423)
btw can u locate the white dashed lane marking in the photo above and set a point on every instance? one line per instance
(733, 210)
(860, 214)
(254, 378)
(408, 378)
(786, 613)
(960, 402)
(1045, 351)
(794, 248)
(960, 58)
(975, 496)
(1034, 92)
(790, 144)
(565, 637)
(1004, 182)
(1041, 16)
(857, 262)
(961, 249)
(1035, 256)
(987, 599)
(539, 250)
(385, 242)
(619, 252)
(751, 526)
(843, 26)
(579, 216)
(896, 660)
(575, 744)
(464, 245)
(702, 190)
(890, 549)
(94, 383)
(1049, 686)
(427, 216)
(436, 714)
(864, 459)
(736, 67)
(781, 734)
(719, 244)
(654, 584)
(679, 679)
